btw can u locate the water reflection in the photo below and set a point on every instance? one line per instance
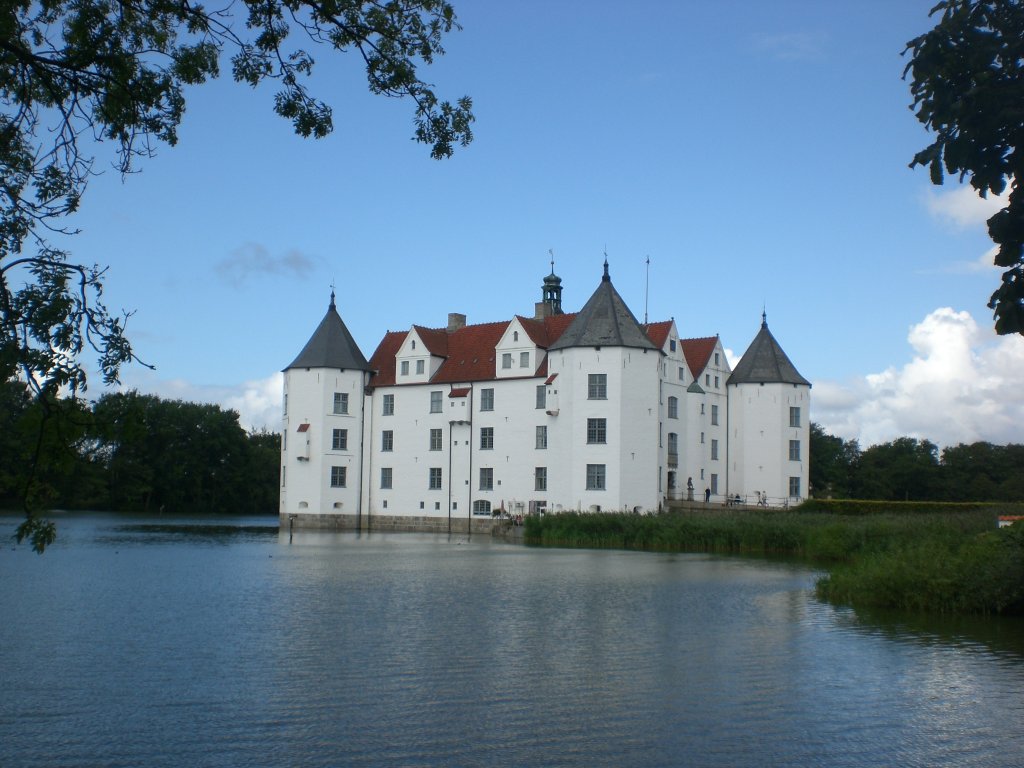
(168, 645)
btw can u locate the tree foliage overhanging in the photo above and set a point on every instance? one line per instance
(967, 82)
(77, 73)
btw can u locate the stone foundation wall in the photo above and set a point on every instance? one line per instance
(383, 523)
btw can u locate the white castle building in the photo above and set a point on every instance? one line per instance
(445, 427)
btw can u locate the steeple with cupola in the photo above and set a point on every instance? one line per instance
(551, 291)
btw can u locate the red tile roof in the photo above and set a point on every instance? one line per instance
(658, 332)
(468, 352)
(383, 359)
(436, 340)
(697, 353)
(459, 392)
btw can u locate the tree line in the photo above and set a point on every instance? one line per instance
(916, 470)
(132, 452)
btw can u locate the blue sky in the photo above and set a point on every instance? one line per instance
(756, 152)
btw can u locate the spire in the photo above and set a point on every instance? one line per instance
(331, 345)
(607, 278)
(764, 362)
(604, 321)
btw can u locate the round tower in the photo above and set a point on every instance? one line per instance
(321, 447)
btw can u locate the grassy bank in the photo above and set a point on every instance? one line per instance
(950, 561)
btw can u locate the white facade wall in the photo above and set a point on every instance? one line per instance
(630, 454)
(308, 454)
(512, 459)
(760, 435)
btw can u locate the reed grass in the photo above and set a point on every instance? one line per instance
(949, 561)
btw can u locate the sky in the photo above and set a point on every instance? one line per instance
(757, 153)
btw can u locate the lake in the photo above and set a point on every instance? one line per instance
(171, 642)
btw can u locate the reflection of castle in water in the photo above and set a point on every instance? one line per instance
(444, 427)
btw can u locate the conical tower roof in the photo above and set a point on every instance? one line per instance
(764, 362)
(331, 346)
(604, 321)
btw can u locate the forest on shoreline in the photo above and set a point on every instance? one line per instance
(134, 453)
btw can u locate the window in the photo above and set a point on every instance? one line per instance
(707, 379)
(702, 409)
(515, 335)
(542, 396)
(682, 373)
(486, 438)
(481, 507)
(405, 367)
(286, 405)
(435, 439)
(671, 345)
(714, 415)
(794, 487)
(542, 437)
(486, 399)
(338, 477)
(524, 359)
(673, 444)
(435, 402)
(341, 402)
(702, 438)
(794, 450)
(714, 484)
(714, 450)
(486, 479)
(597, 386)
(435, 479)
(506, 360)
(339, 440)
(596, 431)
(794, 417)
(540, 478)
(387, 440)
(716, 358)
(389, 405)
(673, 407)
(716, 382)
(385, 478)
(419, 366)
(595, 477)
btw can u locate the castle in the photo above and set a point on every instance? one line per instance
(444, 428)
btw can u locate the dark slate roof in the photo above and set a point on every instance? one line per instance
(331, 346)
(604, 321)
(764, 362)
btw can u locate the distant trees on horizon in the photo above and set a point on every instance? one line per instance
(914, 470)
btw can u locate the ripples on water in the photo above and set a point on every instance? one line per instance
(174, 643)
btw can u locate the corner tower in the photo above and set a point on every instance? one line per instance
(769, 423)
(321, 447)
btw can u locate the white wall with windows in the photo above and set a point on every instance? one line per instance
(769, 431)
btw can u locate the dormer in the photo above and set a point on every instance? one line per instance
(419, 356)
(516, 354)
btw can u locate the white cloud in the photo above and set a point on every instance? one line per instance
(962, 384)
(257, 402)
(962, 206)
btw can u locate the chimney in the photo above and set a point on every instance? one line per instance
(456, 321)
(541, 310)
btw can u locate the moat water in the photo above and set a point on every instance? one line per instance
(165, 642)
